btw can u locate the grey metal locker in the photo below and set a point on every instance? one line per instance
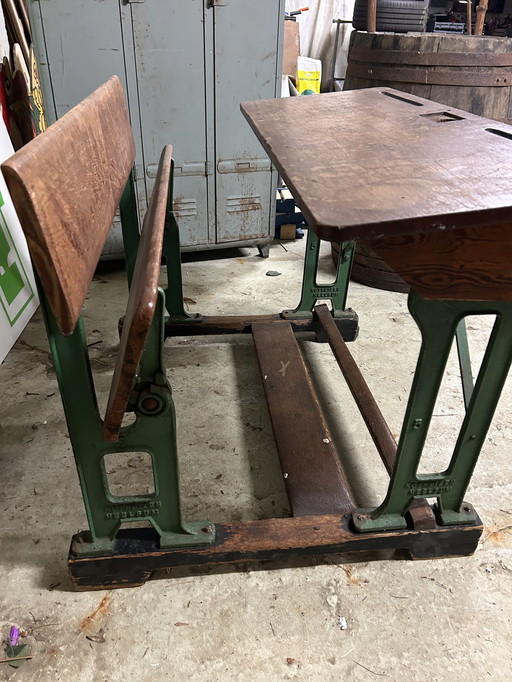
(186, 66)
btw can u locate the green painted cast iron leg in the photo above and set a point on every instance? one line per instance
(130, 225)
(171, 249)
(154, 432)
(466, 373)
(174, 291)
(438, 322)
(312, 291)
(172, 256)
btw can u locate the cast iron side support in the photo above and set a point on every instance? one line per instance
(174, 291)
(438, 321)
(180, 322)
(154, 432)
(312, 291)
(466, 373)
(130, 225)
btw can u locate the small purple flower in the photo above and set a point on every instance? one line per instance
(14, 636)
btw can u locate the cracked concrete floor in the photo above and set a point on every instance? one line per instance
(436, 620)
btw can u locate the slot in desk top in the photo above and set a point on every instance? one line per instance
(379, 162)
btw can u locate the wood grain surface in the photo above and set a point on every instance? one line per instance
(138, 555)
(141, 301)
(313, 475)
(372, 163)
(462, 264)
(370, 411)
(65, 186)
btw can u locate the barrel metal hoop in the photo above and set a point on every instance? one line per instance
(393, 57)
(430, 77)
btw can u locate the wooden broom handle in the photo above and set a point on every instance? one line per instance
(371, 16)
(481, 11)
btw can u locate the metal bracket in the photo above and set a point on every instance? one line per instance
(312, 292)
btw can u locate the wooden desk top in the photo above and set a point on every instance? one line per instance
(379, 162)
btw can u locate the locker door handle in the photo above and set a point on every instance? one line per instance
(216, 3)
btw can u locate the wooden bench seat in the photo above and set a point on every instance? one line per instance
(141, 301)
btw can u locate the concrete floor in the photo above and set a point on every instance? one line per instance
(430, 620)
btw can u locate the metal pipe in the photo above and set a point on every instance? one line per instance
(371, 16)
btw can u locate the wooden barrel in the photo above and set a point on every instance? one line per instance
(473, 73)
(468, 72)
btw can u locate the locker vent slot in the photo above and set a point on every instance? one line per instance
(238, 204)
(185, 208)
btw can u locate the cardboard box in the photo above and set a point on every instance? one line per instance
(287, 231)
(291, 48)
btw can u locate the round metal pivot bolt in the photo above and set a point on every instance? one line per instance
(150, 404)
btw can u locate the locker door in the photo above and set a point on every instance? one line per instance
(170, 52)
(247, 59)
(79, 44)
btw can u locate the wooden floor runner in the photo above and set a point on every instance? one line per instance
(314, 477)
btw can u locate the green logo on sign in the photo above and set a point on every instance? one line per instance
(15, 290)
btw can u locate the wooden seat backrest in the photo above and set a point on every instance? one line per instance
(66, 185)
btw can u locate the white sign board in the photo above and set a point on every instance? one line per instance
(18, 295)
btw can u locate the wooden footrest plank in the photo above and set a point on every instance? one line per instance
(314, 478)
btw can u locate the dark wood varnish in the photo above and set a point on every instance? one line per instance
(380, 162)
(315, 481)
(137, 554)
(463, 264)
(348, 325)
(370, 411)
(66, 186)
(141, 301)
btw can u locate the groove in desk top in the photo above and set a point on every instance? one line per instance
(377, 162)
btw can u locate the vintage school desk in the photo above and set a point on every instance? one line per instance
(428, 187)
